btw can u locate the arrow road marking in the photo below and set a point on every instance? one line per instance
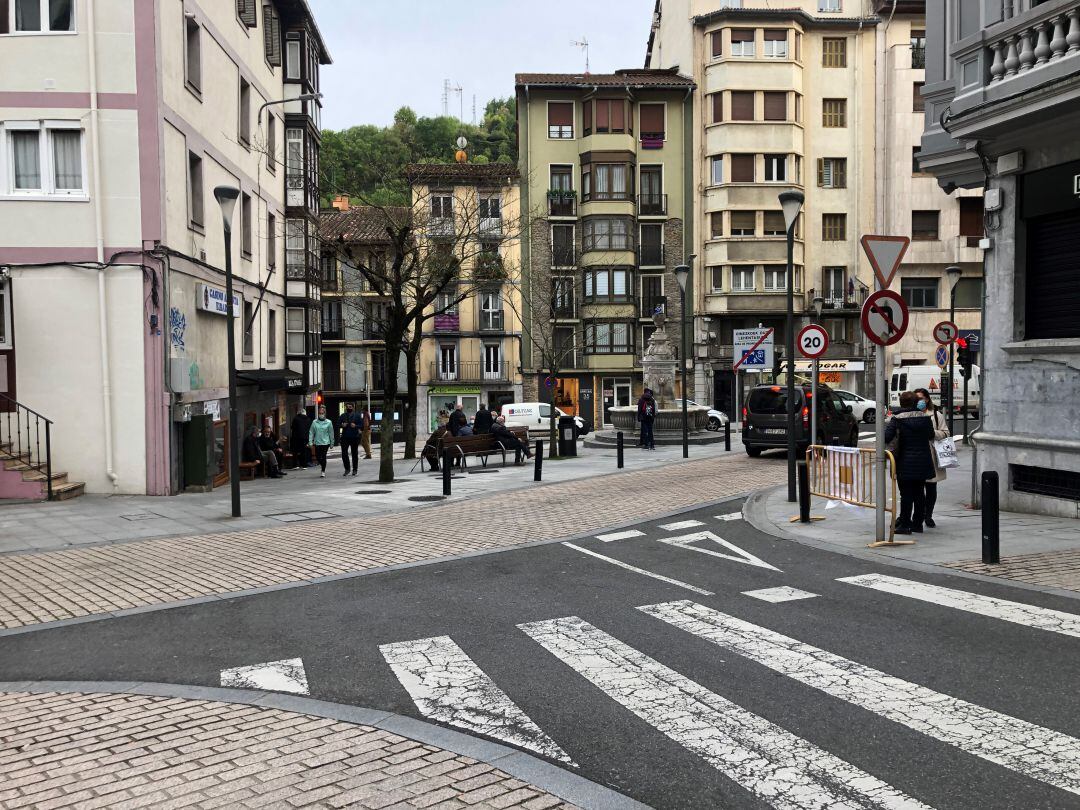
(607, 538)
(729, 516)
(287, 675)
(1030, 750)
(447, 686)
(641, 571)
(737, 555)
(1056, 621)
(781, 594)
(783, 770)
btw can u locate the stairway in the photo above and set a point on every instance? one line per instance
(20, 481)
(25, 457)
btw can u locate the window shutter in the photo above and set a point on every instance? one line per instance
(652, 118)
(821, 172)
(618, 116)
(717, 44)
(717, 107)
(272, 35)
(603, 115)
(776, 106)
(742, 105)
(586, 116)
(742, 168)
(561, 114)
(246, 9)
(775, 35)
(840, 173)
(742, 35)
(1052, 293)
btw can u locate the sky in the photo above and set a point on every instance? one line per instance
(390, 53)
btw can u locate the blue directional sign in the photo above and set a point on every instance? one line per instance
(755, 358)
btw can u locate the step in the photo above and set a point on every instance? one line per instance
(68, 490)
(17, 462)
(35, 475)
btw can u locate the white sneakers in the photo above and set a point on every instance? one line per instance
(322, 475)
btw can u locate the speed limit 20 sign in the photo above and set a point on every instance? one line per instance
(813, 341)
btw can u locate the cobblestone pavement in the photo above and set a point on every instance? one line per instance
(49, 586)
(84, 751)
(1056, 569)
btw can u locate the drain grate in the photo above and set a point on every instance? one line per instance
(142, 516)
(481, 471)
(427, 498)
(297, 517)
(373, 491)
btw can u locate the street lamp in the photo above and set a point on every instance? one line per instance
(682, 275)
(791, 202)
(302, 97)
(952, 273)
(226, 197)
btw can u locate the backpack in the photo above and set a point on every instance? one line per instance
(649, 409)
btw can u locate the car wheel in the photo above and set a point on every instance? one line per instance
(869, 416)
(753, 452)
(714, 423)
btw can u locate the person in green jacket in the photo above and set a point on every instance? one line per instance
(321, 436)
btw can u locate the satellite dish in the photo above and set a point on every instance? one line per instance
(462, 142)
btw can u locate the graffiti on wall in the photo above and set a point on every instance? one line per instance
(195, 376)
(177, 328)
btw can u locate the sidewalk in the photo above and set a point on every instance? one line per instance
(1036, 549)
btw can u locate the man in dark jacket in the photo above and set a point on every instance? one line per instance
(457, 419)
(298, 438)
(268, 441)
(482, 422)
(914, 464)
(250, 451)
(646, 414)
(508, 440)
(350, 425)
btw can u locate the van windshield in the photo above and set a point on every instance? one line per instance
(771, 400)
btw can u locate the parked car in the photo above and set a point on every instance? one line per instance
(765, 419)
(862, 408)
(717, 419)
(536, 416)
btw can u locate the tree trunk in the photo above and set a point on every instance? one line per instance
(386, 426)
(413, 379)
(553, 428)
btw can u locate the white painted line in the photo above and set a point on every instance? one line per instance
(738, 555)
(642, 571)
(287, 675)
(1028, 749)
(1055, 621)
(781, 594)
(730, 516)
(682, 524)
(447, 686)
(607, 538)
(783, 770)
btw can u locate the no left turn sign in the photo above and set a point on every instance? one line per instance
(884, 317)
(813, 341)
(946, 332)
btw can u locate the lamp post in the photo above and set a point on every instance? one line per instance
(791, 202)
(682, 275)
(819, 303)
(952, 273)
(226, 197)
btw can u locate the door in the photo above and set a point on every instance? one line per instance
(221, 453)
(617, 393)
(7, 349)
(724, 393)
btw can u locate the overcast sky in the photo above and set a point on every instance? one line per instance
(389, 53)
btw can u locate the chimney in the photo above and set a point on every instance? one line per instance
(341, 202)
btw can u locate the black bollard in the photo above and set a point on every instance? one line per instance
(991, 530)
(727, 436)
(446, 473)
(539, 457)
(618, 449)
(804, 492)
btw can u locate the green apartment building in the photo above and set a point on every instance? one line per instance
(606, 179)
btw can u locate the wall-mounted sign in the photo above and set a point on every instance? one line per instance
(831, 365)
(212, 408)
(212, 299)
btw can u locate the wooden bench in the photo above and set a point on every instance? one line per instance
(461, 447)
(248, 469)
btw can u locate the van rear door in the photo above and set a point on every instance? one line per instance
(767, 414)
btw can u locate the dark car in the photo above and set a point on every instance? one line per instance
(764, 425)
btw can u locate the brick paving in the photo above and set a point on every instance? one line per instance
(1055, 569)
(49, 586)
(87, 750)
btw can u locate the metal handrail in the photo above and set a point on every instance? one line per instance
(28, 426)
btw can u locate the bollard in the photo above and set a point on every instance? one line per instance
(727, 436)
(618, 449)
(446, 473)
(804, 492)
(539, 457)
(991, 530)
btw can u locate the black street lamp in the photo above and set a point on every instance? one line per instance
(682, 275)
(952, 273)
(226, 197)
(791, 202)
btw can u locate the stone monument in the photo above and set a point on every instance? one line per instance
(658, 364)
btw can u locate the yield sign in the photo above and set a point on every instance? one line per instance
(884, 317)
(736, 554)
(885, 254)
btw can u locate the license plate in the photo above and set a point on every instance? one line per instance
(775, 431)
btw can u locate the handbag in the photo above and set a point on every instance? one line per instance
(945, 450)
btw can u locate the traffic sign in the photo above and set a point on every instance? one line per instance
(884, 317)
(550, 382)
(946, 332)
(813, 340)
(942, 356)
(885, 254)
(753, 349)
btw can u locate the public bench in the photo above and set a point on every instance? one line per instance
(462, 447)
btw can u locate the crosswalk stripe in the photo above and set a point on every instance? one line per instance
(611, 536)
(1055, 621)
(1031, 750)
(782, 769)
(446, 685)
(782, 594)
(287, 675)
(682, 524)
(641, 571)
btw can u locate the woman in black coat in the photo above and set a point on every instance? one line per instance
(914, 462)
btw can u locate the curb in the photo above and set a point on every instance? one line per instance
(568, 786)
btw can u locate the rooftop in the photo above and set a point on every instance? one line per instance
(361, 223)
(497, 174)
(807, 20)
(667, 78)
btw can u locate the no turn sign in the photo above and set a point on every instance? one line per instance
(813, 340)
(946, 332)
(884, 317)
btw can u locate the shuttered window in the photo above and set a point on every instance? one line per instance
(834, 112)
(1052, 277)
(776, 106)
(971, 219)
(834, 52)
(832, 172)
(742, 42)
(743, 223)
(717, 107)
(561, 119)
(246, 11)
(742, 105)
(652, 120)
(271, 34)
(717, 44)
(742, 168)
(716, 224)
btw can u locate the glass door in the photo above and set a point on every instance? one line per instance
(221, 453)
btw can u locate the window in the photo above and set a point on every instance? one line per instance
(294, 159)
(271, 334)
(776, 43)
(609, 338)
(247, 13)
(920, 293)
(828, 5)
(446, 303)
(834, 284)
(971, 219)
(798, 108)
(915, 168)
(195, 189)
(271, 34)
(328, 271)
(775, 168)
(271, 240)
(295, 249)
(44, 159)
(742, 42)
(969, 293)
(833, 227)
(5, 316)
(246, 225)
(742, 168)
(742, 105)
(717, 104)
(561, 119)
(292, 56)
(562, 293)
(832, 172)
(44, 16)
(918, 49)
(742, 278)
(834, 112)
(271, 144)
(192, 54)
(743, 223)
(652, 121)
(448, 368)
(492, 361)
(294, 330)
(442, 206)
(491, 311)
(652, 245)
(562, 246)
(717, 169)
(609, 182)
(610, 115)
(491, 208)
(775, 279)
(586, 117)
(652, 295)
(775, 106)
(774, 223)
(607, 284)
(607, 233)
(917, 103)
(564, 343)
(716, 224)
(244, 128)
(924, 225)
(798, 170)
(717, 38)
(562, 178)
(834, 52)
(716, 276)
(249, 329)
(652, 200)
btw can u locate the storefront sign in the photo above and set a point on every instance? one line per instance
(212, 299)
(452, 389)
(831, 365)
(829, 377)
(212, 408)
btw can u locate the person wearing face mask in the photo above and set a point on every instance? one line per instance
(913, 459)
(941, 431)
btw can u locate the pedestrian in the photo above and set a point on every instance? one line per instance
(298, 439)
(508, 440)
(941, 431)
(321, 436)
(250, 451)
(457, 419)
(482, 422)
(443, 419)
(646, 414)
(913, 431)
(350, 425)
(640, 402)
(365, 433)
(268, 441)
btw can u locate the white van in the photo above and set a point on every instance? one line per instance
(908, 378)
(536, 416)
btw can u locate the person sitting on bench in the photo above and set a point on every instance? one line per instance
(508, 440)
(250, 451)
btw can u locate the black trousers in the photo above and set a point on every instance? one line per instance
(647, 434)
(301, 456)
(912, 504)
(320, 455)
(350, 446)
(931, 498)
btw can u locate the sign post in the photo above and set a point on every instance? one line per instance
(813, 342)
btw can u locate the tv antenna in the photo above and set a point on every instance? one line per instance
(584, 45)
(448, 88)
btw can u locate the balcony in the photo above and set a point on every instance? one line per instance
(440, 227)
(838, 300)
(333, 330)
(492, 320)
(472, 371)
(563, 256)
(651, 256)
(372, 332)
(447, 322)
(652, 205)
(491, 228)
(652, 140)
(562, 205)
(608, 196)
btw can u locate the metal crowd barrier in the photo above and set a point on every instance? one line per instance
(847, 474)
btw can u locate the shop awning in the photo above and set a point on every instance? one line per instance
(272, 379)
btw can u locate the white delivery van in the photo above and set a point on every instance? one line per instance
(908, 378)
(536, 416)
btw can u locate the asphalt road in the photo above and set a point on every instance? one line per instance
(872, 693)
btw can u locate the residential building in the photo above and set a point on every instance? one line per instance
(606, 166)
(118, 118)
(1002, 79)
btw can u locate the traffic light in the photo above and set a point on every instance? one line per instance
(963, 357)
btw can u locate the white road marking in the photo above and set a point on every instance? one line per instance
(642, 571)
(730, 516)
(287, 675)
(682, 524)
(607, 538)
(782, 769)
(446, 685)
(1055, 621)
(1028, 749)
(781, 594)
(738, 555)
